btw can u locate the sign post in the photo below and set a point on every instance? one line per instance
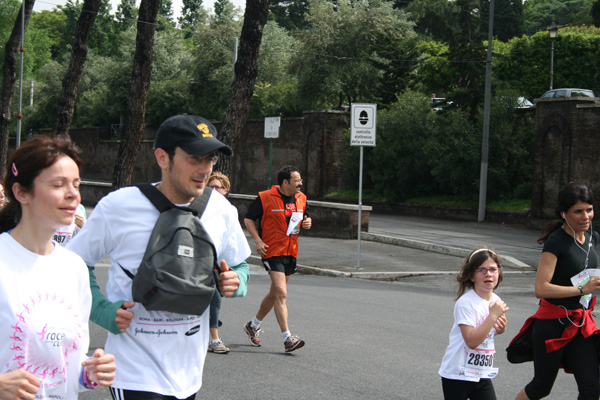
(362, 133)
(271, 132)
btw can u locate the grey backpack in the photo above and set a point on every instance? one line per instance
(179, 268)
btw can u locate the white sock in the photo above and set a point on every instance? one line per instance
(214, 341)
(286, 335)
(255, 324)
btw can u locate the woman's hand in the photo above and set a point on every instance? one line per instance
(592, 285)
(100, 368)
(79, 221)
(19, 384)
(124, 316)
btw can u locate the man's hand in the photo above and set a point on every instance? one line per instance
(261, 248)
(124, 316)
(307, 223)
(19, 384)
(228, 280)
(100, 368)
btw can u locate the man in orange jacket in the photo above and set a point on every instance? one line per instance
(282, 210)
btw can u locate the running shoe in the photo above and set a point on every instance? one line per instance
(253, 334)
(293, 343)
(218, 347)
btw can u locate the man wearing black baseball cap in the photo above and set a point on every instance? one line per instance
(161, 354)
(193, 134)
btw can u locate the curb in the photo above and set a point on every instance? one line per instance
(507, 261)
(375, 276)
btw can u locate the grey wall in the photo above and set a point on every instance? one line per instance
(313, 143)
(567, 146)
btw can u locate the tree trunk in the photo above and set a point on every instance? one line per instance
(246, 69)
(8, 86)
(131, 132)
(66, 104)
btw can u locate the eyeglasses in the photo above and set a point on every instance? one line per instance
(483, 271)
(219, 188)
(197, 160)
(297, 181)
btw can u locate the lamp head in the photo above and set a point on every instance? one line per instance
(553, 30)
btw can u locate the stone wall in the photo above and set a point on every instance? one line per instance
(333, 220)
(567, 144)
(313, 143)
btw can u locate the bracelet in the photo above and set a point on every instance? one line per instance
(580, 290)
(260, 241)
(87, 382)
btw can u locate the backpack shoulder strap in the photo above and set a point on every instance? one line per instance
(127, 272)
(199, 203)
(159, 200)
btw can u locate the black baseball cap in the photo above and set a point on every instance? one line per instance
(195, 135)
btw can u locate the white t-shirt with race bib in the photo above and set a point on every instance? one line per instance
(460, 362)
(160, 352)
(45, 304)
(64, 234)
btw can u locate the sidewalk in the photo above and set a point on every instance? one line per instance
(402, 246)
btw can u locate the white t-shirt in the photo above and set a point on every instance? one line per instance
(160, 352)
(64, 234)
(471, 310)
(45, 304)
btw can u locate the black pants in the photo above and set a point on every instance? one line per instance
(580, 355)
(121, 394)
(463, 390)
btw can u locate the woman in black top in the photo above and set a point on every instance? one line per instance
(565, 289)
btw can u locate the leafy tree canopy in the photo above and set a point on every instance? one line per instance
(276, 91)
(539, 14)
(526, 63)
(212, 70)
(289, 14)
(335, 63)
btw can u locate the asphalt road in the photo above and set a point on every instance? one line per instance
(364, 340)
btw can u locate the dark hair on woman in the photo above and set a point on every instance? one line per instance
(471, 263)
(25, 164)
(568, 196)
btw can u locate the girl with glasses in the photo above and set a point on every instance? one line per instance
(468, 365)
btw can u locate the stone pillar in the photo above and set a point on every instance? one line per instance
(566, 148)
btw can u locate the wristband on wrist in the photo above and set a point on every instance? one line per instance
(260, 241)
(86, 380)
(580, 289)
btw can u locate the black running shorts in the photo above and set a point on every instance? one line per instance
(285, 264)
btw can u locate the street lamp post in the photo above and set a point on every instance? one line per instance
(552, 30)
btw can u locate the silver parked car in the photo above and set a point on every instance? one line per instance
(568, 92)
